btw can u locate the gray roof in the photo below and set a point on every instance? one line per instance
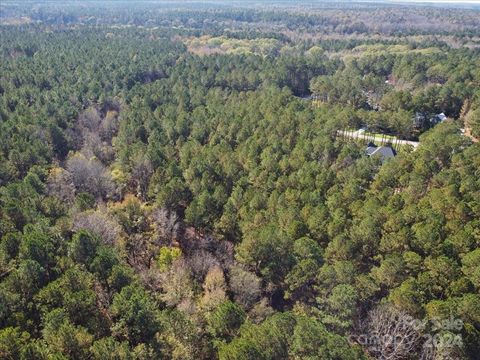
(371, 149)
(385, 152)
(441, 116)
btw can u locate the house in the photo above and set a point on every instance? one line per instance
(384, 152)
(442, 116)
(424, 120)
(419, 120)
(438, 118)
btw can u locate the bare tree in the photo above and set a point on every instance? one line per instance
(93, 132)
(102, 301)
(100, 223)
(138, 250)
(444, 345)
(89, 175)
(60, 184)
(200, 263)
(167, 225)
(192, 242)
(390, 334)
(245, 286)
(94, 146)
(177, 284)
(90, 119)
(141, 173)
(260, 311)
(109, 126)
(224, 252)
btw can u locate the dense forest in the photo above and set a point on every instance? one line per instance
(173, 184)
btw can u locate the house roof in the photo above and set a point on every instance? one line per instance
(441, 116)
(371, 149)
(385, 152)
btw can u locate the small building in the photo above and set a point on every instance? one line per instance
(384, 152)
(438, 118)
(442, 116)
(419, 120)
(424, 120)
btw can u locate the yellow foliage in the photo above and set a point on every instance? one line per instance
(206, 45)
(215, 289)
(118, 175)
(167, 256)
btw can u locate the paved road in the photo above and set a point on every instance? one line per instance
(360, 134)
